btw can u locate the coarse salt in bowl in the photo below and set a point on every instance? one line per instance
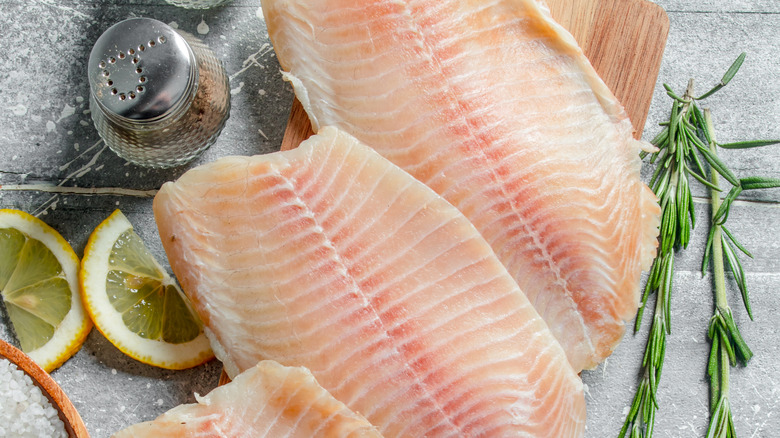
(31, 402)
(24, 410)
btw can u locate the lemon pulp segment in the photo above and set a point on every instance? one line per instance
(138, 290)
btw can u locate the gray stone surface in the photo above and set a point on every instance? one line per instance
(718, 6)
(49, 139)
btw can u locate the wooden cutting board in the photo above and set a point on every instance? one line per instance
(623, 39)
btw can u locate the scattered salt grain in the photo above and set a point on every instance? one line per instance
(19, 110)
(24, 410)
(203, 28)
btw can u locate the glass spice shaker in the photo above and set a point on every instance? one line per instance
(158, 97)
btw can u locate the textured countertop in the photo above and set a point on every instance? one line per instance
(48, 139)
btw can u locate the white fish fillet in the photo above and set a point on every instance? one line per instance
(331, 257)
(492, 104)
(267, 400)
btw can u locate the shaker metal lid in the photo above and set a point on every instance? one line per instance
(141, 69)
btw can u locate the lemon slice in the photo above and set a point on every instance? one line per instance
(39, 284)
(135, 303)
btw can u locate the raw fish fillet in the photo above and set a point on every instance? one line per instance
(268, 400)
(331, 257)
(492, 104)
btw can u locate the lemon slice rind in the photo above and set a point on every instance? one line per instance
(93, 274)
(74, 328)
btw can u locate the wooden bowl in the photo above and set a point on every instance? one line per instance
(74, 425)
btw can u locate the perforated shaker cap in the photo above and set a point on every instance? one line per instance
(142, 70)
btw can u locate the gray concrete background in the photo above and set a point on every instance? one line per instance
(49, 139)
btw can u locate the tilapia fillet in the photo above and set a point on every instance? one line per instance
(267, 400)
(331, 257)
(491, 104)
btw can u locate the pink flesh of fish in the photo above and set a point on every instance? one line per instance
(331, 257)
(267, 400)
(492, 105)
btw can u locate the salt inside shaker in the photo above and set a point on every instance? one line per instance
(158, 97)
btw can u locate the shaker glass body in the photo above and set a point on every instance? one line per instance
(162, 121)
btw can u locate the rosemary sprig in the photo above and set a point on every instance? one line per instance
(728, 346)
(683, 146)
(670, 182)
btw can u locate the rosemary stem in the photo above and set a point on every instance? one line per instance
(719, 273)
(688, 96)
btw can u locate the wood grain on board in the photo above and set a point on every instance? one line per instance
(625, 44)
(623, 39)
(67, 413)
